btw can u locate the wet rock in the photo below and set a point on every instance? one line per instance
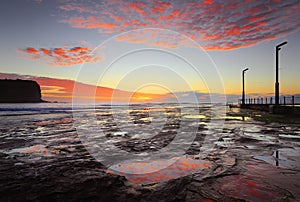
(62, 180)
(247, 140)
(153, 144)
(12, 143)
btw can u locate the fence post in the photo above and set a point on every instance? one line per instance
(266, 100)
(271, 100)
(284, 100)
(293, 101)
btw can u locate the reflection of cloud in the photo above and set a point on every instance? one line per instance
(62, 56)
(216, 24)
(158, 170)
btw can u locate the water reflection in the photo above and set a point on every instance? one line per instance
(35, 150)
(148, 172)
(241, 186)
(283, 157)
(65, 120)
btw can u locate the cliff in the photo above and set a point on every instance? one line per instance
(19, 91)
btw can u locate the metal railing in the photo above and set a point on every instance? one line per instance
(283, 100)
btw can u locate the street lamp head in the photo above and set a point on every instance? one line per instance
(282, 44)
(277, 64)
(245, 69)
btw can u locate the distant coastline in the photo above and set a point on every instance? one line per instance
(20, 91)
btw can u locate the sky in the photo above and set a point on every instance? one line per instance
(152, 47)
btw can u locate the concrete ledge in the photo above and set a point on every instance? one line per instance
(285, 110)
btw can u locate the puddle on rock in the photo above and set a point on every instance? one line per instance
(239, 118)
(291, 137)
(243, 187)
(225, 142)
(260, 137)
(35, 150)
(158, 170)
(194, 116)
(284, 157)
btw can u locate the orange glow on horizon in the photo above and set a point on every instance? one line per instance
(62, 90)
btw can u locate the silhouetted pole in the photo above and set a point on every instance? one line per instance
(293, 100)
(243, 94)
(277, 157)
(277, 63)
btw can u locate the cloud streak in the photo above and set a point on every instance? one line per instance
(214, 24)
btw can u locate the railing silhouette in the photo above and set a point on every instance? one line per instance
(284, 100)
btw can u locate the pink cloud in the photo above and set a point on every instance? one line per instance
(113, 16)
(59, 51)
(79, 49)
(77, 7)
(214, 24)
(63, 56)
(91, 22)
(31, 50)
(158, 10)
(46, 51)
(137, 6)
(208, 2)
(163, 4)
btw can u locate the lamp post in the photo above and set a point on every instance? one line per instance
(243, 95)
(277, 83)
